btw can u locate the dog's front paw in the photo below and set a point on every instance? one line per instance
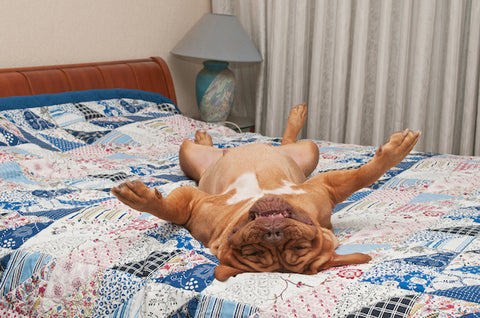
(138, 196)
(398, 147)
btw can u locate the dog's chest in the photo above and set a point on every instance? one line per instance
(247, 187)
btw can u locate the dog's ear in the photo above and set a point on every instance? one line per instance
(347, 259)
(223, 272)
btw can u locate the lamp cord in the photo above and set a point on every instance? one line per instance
(233, 124)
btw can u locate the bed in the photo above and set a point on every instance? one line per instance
(69, 248)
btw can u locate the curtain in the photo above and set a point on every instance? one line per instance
(365, 68)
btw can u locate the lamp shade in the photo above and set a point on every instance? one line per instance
(218, 37)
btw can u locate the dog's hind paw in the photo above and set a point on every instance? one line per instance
(202, 138)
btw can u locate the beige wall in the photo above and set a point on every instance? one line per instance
(45, 32)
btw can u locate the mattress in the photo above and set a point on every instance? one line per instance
(68, 247)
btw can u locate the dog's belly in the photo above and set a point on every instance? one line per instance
(253, 170)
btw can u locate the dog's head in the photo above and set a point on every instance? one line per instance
(276, 237)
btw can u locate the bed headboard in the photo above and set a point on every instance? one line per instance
(151, 74)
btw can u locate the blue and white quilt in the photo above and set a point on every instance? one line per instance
(69, 248)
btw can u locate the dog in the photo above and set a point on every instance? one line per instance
(255, 207)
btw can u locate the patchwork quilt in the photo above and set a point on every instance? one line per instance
(69, 248)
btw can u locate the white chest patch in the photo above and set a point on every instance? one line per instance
(247, 188)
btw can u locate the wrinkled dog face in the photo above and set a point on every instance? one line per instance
(277, 238)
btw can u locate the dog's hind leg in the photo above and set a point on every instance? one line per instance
(304, 152)
(296, 120)
(196, 157)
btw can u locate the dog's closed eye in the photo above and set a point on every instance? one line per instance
(259, 255)
(300, 247)
(251, 251)
(296, 249)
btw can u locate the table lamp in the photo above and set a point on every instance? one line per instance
(218, 39)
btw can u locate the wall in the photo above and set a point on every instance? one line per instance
(47, 32)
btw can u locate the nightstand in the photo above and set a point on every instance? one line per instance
(244, 124)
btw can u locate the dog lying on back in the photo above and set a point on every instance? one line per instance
(254, 206)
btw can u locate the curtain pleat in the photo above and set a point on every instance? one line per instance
(365, 68)
(355, 110)
(382, 73)
(452, 73)
(470, 137)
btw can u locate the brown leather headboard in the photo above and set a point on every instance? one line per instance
(150, 75)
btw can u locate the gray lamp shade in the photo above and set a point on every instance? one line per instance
(218, 37)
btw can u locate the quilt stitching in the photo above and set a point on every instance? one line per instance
(397, 307)
(148, 266)
(419, 222)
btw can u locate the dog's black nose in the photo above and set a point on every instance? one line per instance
(273, 236)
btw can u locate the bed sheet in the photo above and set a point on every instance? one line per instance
(69, 248)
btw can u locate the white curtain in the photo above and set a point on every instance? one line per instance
(365, 68)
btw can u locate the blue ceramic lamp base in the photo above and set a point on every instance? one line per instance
(215, 90)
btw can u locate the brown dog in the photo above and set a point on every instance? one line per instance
(254, 207)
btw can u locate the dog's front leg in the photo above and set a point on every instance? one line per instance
(343, 183)
(176, 207)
